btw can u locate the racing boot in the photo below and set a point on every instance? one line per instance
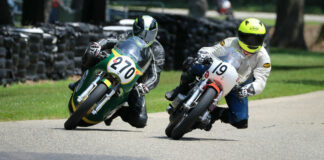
(187, 77)
(109, 120)
(215, 115)
(171, 95)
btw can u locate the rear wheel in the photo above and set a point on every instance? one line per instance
(190, 118)
(76, 116)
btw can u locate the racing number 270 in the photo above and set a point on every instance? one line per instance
(126, 65)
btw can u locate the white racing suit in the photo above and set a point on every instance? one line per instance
(254, 70)
(255, 66)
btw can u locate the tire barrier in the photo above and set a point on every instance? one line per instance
(54, 51)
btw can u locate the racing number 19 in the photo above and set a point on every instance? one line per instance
(220, 69)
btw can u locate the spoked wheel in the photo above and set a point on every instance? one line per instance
(189, 119)
(75, 117)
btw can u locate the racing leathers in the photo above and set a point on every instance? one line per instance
(254, 70)
(135, 113)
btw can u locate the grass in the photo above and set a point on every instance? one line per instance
(272, 22)
(294, 72)
(45, 100)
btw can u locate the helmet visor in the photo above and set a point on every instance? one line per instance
(148, 35)
(251, 39)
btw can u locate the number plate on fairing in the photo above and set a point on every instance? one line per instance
(223, 73)
(124, 67)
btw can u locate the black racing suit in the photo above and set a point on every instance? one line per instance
(135, 114)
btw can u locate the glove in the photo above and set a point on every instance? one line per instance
(94, 49)
(247, 90)
(103, 55)
(203, 56)
(142, 89)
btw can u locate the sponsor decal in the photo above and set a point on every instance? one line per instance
(267, 65)
(206, 74)
(222, 43)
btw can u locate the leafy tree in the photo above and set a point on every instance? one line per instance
(198, 8)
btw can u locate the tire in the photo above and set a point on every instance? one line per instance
(173, 123)
(61, 47)
(23, 53)
(79, 51)
(35, 47)
(9, 64)
(59, 56)
(35, 38)
(2, 63)
(3, 52)
(77, 62)
(3, 73)
(83, 40)
(75, 117)
(41, 68)
(189, 119)
(50, 48)
(1, 40)
(34, 57)
(69, 54)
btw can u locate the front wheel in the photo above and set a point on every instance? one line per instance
(76, 116)
(175, 120)
(190, 118)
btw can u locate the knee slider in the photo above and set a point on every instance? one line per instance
(139, 122)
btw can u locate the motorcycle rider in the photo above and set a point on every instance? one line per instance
(254, 75)
(145, 27)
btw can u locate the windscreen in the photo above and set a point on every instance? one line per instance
(237, 60)
(134, 47)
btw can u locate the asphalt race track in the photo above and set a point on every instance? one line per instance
(281, 128)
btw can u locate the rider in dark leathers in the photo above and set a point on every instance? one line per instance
(135, 113)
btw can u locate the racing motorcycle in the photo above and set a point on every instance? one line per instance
(104, 88)
(193, 109)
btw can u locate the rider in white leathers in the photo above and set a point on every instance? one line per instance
(254, 70)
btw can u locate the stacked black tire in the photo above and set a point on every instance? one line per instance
(3, 54)
(36, 69)
(56, 51)
(82, 40)
(58, 47)
(24, 60)
(13, 56)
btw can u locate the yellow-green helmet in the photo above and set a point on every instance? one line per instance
(251, 33)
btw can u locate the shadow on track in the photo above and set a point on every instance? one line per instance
(197, 139)
(97, 129)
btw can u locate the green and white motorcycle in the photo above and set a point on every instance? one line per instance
(105, 87)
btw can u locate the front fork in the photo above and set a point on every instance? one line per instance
(195, 95)
(205, 116)
(84, 95)
(188, 104)
(106, 98)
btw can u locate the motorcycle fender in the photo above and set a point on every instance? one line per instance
(107, 82)
(213, 85)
